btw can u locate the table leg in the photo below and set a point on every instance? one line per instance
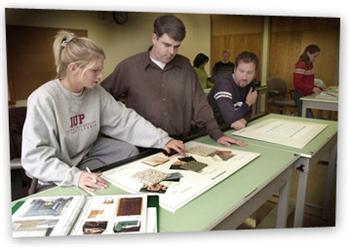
(303, 111)
(301, 193)
(329, 182)
(282, 212)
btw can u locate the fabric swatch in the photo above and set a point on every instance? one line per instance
(156, 160)
(150, 176)
(129, 206)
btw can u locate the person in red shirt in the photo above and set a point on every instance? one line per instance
(303, 76)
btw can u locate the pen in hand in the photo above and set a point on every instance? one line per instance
(89, 171)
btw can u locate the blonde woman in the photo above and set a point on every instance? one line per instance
(73, 124)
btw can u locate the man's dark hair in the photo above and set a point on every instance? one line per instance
(170, 25)
(247, 57)
(200, 59)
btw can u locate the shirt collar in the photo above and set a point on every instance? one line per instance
(147, 62)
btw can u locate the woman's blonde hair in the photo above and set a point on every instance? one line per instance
(68, 48)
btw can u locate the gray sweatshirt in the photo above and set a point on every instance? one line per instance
(61, 126)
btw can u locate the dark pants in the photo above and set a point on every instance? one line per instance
(299, 104)
(106, 151)
(103, 152)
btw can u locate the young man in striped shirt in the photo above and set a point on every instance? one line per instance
(233, 95)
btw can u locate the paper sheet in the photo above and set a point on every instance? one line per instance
(191, 185)
(327, 95)
(284, 132)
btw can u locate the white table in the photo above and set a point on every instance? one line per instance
(323, 144)
(316, 102)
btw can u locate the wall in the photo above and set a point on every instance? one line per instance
(285, 38)
(289, 37)
(30, 63)
(236, 34)
(207, 34)
(118, 41)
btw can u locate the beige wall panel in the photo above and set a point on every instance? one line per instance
(326, 65)
(284, 52)
(303, 23)
(233, 25)
(236, 34)
(236, 44)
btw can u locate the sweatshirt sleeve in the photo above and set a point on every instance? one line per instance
(40, 146)
(226, 102)
(126, 124)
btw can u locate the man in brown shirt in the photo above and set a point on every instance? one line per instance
(162, 86)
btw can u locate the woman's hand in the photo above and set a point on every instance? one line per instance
(92, 181)
(317, 90)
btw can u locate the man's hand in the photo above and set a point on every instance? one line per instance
(251, 97)
(237, 125)
(176, 145)
(227, 141)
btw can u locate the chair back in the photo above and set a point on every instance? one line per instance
(276, 87)
(17, 116)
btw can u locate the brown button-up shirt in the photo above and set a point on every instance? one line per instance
(170, 98)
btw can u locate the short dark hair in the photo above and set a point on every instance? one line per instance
(200, 59)
(171, 25)
(247, 57)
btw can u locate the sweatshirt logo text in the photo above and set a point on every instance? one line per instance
(76, 120)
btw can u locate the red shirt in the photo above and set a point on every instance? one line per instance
(303, 78)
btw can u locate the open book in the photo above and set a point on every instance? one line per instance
(81, 215)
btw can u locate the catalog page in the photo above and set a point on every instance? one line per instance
(114, 214)
(179, 179)
(46, 216)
